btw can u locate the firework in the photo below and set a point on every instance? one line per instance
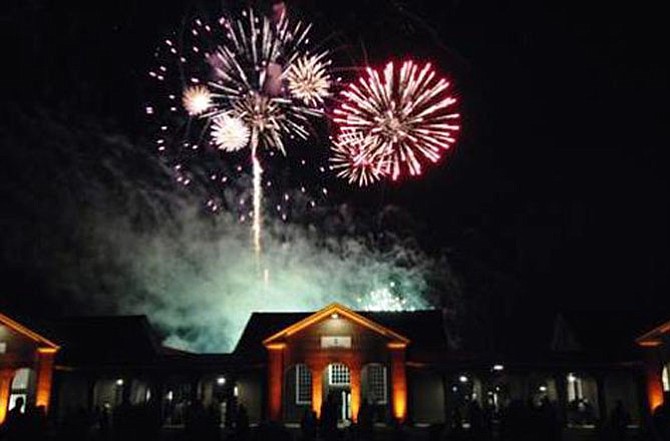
(350, 161)
(384, 300)
(252, 82)
(405, 115)
(249, 67)
(196, 100)
(230, 133)
(309, 80)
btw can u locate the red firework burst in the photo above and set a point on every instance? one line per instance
(405, 117)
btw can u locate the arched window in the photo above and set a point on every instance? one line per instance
(20, 387)
(303, 384)
(338, 375)
(375, 382)
(666, 379)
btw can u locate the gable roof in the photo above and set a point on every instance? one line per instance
(653, 337)
(32, 335)
(330, 310)
(105, 340)
(574, 335)
(424, 328)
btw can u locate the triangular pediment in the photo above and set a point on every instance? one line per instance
(655, 336)
(20, 329)
(340, 311)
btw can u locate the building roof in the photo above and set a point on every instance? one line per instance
(655, 336)
(105, 340)
(572, 336)
(337, 309)
(25, 331)
(424, 329)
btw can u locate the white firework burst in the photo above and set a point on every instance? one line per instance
(196, 99)
(309, 80)
(229, 133)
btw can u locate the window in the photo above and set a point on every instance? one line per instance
(20, 386)
(21, 379)
(338, 374)
(666, 379)
(377, 383)
(303, 385)
(575, 388)
(3, 347)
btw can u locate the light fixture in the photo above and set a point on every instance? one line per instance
(119, 382)
(463, 379)
(572, 378)
(221, 381)
(543, 388)
(498, 367)
(236, 391)
(334, 316)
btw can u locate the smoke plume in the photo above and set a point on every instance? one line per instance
(112, 233)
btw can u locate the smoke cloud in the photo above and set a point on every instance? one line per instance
(113, 233)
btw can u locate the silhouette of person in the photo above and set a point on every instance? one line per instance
(242, 423)
(308, 425)
(661, 419)
(365, 421)
(15, 423)
(619, 421)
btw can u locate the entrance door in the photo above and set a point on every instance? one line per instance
(338, 389)
(345, 405)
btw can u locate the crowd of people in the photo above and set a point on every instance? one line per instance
(519, 421)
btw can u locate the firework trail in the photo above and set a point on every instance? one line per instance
(393, 122)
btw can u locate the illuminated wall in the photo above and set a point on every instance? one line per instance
(6, 376)
(330, 336)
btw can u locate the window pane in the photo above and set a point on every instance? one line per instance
(338, 375)
(303, 385)
(21, 378)
(666, 379)
(377, 383)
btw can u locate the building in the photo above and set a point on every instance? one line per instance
(26, 366)
(401, 364)
(656, 344)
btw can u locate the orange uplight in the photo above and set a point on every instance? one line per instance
(654, 389)
(400, 405)
(355, 385)
(317, 392)
(655, 399)
(45, 358)
(275, 380)
(399, 382)
(6, 376)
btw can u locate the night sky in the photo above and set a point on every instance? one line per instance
(555, 195)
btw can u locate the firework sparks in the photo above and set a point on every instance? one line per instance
(384, 300)
(406, 114)
(350, 162)
(249, 67)
(230, 133)
(309, 80)
(196, 100)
